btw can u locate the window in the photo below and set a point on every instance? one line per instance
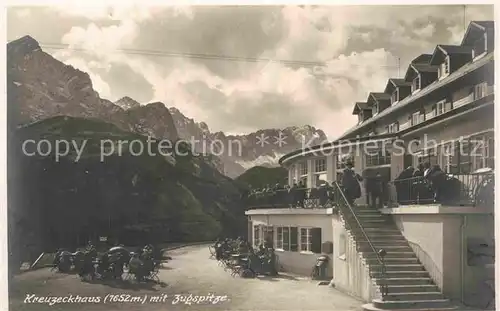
(393, 128)
(438, 108)
(293, 173)
(279, 238)
(256, 236)
(416, 118)
(310, 240)
(490, 151)
(480, 90)
(428, 156)
(303, 169)
(395, 96)
(305, 239)
(268, 235)
(360, 117)
(416, 84)
(319, 165)
(471, 154)
(283, 238)
(375, 109)
(444, 68)
(479, 47)
(482, 151)
(380, 158)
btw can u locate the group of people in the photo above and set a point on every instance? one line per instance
(294, 196)
(261, 260)
(89, 264)
(426, 183)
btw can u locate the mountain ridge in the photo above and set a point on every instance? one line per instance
(42, 87)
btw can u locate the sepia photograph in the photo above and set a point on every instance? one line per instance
(245, 156)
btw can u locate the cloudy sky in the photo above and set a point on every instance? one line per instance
(144, 52)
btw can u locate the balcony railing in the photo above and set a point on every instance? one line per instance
(321, 197)
(456, 104)
(448, 189)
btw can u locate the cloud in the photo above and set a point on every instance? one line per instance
(359, 47)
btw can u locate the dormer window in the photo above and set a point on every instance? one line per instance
(395, 96)
(480, 47)
(375, 109)
(360, 117)
(444, 68)
(415, 86)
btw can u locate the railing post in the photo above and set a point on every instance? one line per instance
(384, 289)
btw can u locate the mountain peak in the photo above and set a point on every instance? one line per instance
(22, 46)
(127, 103)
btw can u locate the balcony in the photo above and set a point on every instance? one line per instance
(456, 104)
(449, 190)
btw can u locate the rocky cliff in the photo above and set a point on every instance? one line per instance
(41, 87)
(241, 152)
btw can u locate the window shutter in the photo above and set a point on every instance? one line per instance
(294, 235)
(316, 240)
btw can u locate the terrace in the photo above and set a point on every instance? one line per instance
(455, 190)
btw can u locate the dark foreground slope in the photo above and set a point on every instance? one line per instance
(134, 199)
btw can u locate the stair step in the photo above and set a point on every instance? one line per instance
(391, 229)
(404, 281)
(393, 267)
(400, 274)
(371, 215)
(367, 211)
(381, 237)
(413, 296)
(371, 307)
(395, 261)
(403, 254)
(387, 248)
(412, 304)
(412, 288)
(383, 243)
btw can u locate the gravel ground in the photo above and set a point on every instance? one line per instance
(189, 273)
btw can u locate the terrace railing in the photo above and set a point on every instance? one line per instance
(321, 197)
(450, 190)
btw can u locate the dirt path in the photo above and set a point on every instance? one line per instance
(189, 273)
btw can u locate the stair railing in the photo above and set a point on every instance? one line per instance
(348, 214)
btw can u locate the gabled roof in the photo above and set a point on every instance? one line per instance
(377, 96)
(454, 76)
(422, 58)
(441, 51)
(419, 68)
(360, 106)
(420, 64)
(478, 26)
(394, 83)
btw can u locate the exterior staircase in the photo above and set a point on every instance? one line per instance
(408, 285)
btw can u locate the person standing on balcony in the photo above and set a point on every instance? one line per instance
(376, 192)
(350, 183)
(301, 194)
(292, 195)
(418, 184)
(437, 178)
